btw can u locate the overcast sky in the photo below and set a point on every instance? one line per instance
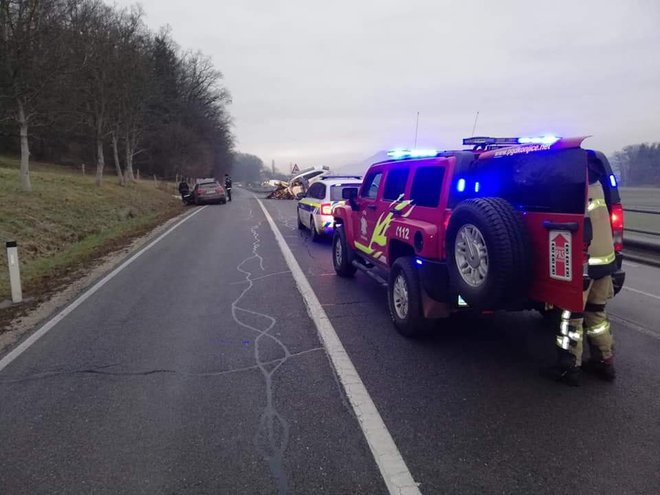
(334, 81)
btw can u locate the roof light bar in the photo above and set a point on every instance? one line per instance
(538, 140)
(511, 141)
(401, 153)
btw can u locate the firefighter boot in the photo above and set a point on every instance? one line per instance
(565, 370)
(602, 368)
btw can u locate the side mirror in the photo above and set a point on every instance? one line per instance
(300, 195)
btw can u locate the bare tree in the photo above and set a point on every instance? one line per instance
(32, 34)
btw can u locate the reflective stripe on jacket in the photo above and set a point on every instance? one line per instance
(601, 249)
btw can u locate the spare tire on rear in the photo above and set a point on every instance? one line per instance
(487, 253)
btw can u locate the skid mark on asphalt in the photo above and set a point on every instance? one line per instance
(104, 371)
(272, 436)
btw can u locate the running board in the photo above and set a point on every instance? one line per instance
(369, 272)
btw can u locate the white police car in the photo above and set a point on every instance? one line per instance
(315, 209)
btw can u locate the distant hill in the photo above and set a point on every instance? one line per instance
(359, 168)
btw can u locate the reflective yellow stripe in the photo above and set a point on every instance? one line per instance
(363, 248)
(602, 260)
(565, 315)
(564, 327)
(309, 202)
(564, 343)
(599, 329)
(596, 203)
(576, 337)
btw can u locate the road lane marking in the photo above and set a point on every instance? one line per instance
(634, 326)
(392, 467)
(641, 292)
(25, 345)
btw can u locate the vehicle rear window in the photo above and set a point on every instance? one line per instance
(427, 186)
(209, 185)
(335, 191)
(541, 181)
(395, 183)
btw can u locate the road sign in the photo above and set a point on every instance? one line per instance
(295, 169)
(560, 255)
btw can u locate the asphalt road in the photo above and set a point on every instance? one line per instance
(198, 370)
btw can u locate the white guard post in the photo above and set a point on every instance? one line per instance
(14, 272)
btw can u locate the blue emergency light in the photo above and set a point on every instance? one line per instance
(613, 180)
(401, 153)
(538, 140)
(460, 185)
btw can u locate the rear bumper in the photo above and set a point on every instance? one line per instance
(212, 198)
(325, 224)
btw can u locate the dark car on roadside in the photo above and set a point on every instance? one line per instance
(208, 192)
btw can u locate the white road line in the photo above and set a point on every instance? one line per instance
(25, 345)
(641, 292)
(392, 467)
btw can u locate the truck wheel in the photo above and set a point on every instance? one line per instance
(316, 237)
(404, 297)
(487, 253)
(342, 258)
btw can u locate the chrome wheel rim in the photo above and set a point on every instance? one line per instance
(471, 255)
(338, 252)
(400, 297)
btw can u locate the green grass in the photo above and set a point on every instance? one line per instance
(67, 221)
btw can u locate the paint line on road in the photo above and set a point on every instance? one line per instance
(25, 345)
(634, 326)
(392, 467)
(647, 294)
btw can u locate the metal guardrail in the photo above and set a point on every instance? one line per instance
(646, 212)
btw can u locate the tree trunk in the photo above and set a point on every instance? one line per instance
(115, 152)
(26, 184)
(129, 159)
(100, 160)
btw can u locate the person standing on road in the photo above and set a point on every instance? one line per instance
(184, 189)
(228, 186)
(593, 321)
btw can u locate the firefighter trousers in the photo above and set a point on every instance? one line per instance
(593, 322)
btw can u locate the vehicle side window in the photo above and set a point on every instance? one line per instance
(321, 191)
(315, 191)
(395, 183)
(370, 186)
(427, 186)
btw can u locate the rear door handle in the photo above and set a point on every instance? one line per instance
(371, 206)
(570, 226)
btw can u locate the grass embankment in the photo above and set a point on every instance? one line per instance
(67, 222)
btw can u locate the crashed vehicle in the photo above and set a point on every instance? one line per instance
(500, 226)
(298, 185)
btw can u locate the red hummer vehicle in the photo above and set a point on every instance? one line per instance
(500, 226)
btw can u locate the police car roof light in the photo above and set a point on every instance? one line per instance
(509, 141)
(403, 153)
(460, 185)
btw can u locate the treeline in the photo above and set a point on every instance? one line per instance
(251, 169)
(85, 82)
(638, 165)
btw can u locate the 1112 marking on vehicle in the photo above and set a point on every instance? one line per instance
(403, 232)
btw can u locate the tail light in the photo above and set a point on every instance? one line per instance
(326, 209)
(219, 190)
(616, 218)
(200, 191)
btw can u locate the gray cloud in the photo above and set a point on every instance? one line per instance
(330, 82)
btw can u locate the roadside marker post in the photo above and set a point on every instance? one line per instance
(14, 272)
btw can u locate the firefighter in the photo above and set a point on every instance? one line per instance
(593, 322)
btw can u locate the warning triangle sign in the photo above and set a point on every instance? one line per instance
(295, 169)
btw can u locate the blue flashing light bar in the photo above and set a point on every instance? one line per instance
(613, 180)
(401, 153)
(460, 185)
(476, 187)
(538, 140)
